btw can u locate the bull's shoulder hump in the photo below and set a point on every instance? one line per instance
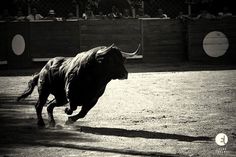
(56, 59)
(59, 58)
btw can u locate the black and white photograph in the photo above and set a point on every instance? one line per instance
(117, 78)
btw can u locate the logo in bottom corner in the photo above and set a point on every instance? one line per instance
(221, 139)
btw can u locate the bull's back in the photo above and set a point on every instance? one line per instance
(55, 62)
(49, 75)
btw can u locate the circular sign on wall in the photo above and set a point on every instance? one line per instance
(18, 44)
(215, 44)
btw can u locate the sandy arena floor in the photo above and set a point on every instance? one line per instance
(150, 114)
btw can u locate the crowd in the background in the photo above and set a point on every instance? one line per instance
(205, 14)
(91, 12)
(88, 14)
(33, 16)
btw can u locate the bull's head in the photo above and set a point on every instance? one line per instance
(112, 60)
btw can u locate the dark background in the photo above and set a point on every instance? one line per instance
(170, 7)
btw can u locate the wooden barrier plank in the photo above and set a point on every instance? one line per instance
(3, 45)
(164, 59)
(162, 36)
(50, 39)
(89, 37)
(123, 33)
(163, 40)
(166, 50)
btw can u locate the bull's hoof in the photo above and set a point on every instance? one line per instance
(69, 121)
(68, 111)
(41, 124)
(18, 99)
(52, 124)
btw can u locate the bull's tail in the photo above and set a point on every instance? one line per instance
(31, 84)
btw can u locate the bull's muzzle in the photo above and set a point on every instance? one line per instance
(123, 76)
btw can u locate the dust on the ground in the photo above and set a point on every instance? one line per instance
(150, 114)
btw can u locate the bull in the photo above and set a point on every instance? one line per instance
(79, 81)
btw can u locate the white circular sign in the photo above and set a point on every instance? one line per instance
(221, 139)
(215, 44)
(18, 44)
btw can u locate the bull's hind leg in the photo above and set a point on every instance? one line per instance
(43, 96)
(55, 103)
(50, 108)
(39, 107)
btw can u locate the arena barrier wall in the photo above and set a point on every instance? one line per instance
(3, 44)
(50, 39)
(164, 40)
(124, 33)
(212, 41)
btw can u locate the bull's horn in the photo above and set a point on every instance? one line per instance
(104, 50)
(125, 54)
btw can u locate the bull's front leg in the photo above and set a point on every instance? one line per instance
(83, 112)
(69, 110)
(68, 85)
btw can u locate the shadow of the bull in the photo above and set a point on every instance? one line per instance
(141, 134)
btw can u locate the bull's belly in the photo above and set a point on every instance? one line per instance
(86, 96)
(59, 93)
(78, 97)
(81, 99)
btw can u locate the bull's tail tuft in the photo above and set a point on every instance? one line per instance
(31, 84)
